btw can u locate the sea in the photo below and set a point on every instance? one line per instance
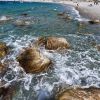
(78, 66)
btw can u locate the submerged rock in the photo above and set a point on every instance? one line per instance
(53, 43)
(33, 61)
(98, 47)
(43, 95)
(65, 16)
(24, 14)
(22, 22)
(79, 94)
(61, 13)
(3, 49)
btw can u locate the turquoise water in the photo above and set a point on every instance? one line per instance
(78, 66)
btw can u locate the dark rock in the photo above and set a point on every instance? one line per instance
(24, 14)
(61, 14)
(6, 93)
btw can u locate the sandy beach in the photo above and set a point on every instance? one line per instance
(87, 9)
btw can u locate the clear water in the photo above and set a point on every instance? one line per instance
(78, 66)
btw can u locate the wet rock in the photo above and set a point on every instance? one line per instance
(79, 94)
(98, 47)
(64, 16)
(24, 14)
(67, 17)
(23, 22)
(61, 14)
(33, 61)
(5, 19)
(2, 69)
(7, 93)
(94, 21)
(53, 43)
(3, 49)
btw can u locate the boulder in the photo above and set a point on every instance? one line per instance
(33, 61)
(53, 43)
(3, 49)
(91, 93)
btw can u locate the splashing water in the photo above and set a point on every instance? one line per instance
(78, 66)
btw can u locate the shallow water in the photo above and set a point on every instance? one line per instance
(78, 66)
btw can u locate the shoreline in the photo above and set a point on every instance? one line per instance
(86, 9)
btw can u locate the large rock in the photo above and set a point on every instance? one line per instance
(33, 61)
(79, 94)
(3, 49)
(53, 43)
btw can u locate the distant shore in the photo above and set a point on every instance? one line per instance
(87, 9)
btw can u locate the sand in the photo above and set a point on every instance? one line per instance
(87, 9)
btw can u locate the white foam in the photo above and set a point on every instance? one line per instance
(70, 68)
(78, 16)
